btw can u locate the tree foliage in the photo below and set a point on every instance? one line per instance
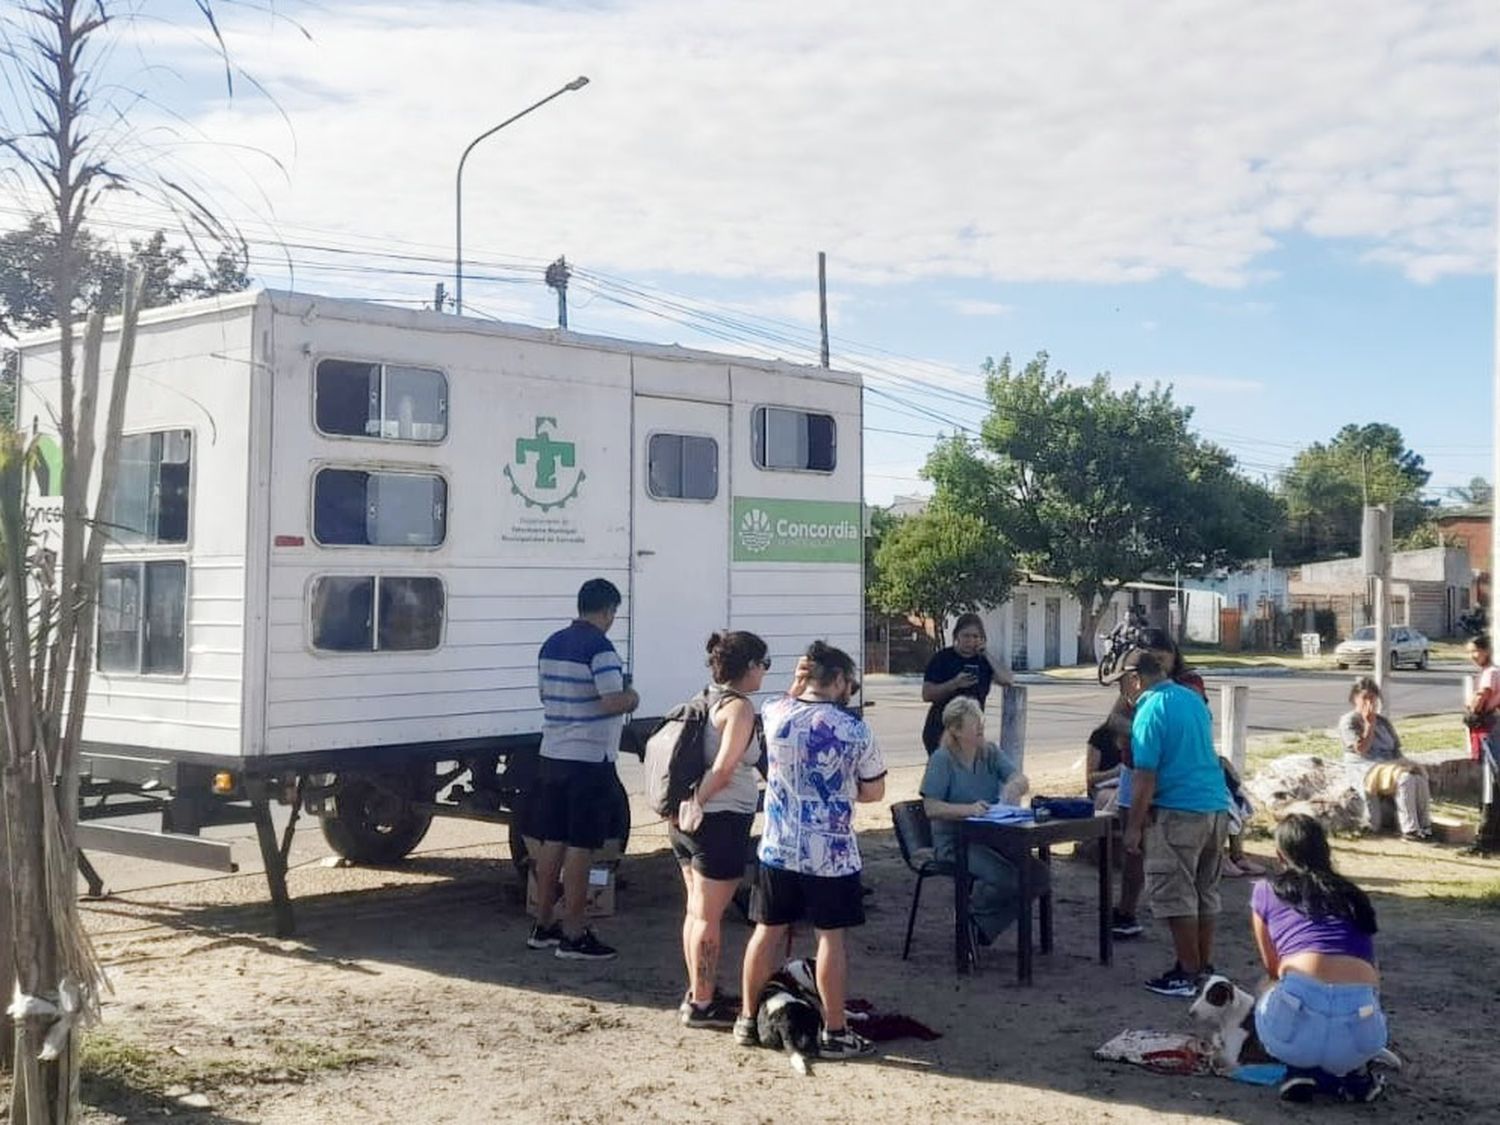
(1328, 485)
(28, 261)
(1097, 487)
(65, 137)
(941, 563)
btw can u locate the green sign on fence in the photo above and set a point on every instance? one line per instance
(797, 531)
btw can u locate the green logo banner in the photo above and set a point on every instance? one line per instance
(797, 531)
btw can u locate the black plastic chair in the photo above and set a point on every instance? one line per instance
(914, 837)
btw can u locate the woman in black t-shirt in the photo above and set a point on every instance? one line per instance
(963, 668)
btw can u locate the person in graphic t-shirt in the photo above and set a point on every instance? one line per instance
(821, 759)
(963, 668)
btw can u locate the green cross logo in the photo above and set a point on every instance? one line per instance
(544, 455)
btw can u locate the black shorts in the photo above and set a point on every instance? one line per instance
(571, 803)
(829, 902)
(719, 849)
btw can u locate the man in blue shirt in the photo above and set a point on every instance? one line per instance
(585, 698)
(1180, 810)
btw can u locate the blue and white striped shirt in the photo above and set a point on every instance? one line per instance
(577, 667)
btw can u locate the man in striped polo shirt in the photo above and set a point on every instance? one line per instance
(585, 698)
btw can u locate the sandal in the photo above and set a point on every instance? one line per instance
(1229, 869)
(1249, 866)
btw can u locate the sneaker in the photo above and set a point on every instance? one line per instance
(1297, 1086)
(1173, 982)
(585, 947)
(1361, 1086)
(836, 1045)
(746, 1034)
(1124, 926)
(544, 937)
(721, 1011)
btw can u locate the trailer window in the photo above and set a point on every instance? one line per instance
(143, 617)
(150, 501)
(682, 467)
(358, 507)
(383, 401)
(793, 439)
(377, 614)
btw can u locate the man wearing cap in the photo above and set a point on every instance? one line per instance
(1180, 813)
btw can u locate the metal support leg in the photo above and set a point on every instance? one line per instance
(272, 856)
(1023, 923)
(90, 876)
(963, 952)
(1106, 889)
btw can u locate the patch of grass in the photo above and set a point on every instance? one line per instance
(1480, 894)
(1419, 734)
(118, 1072)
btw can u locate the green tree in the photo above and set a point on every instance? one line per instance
(1327, 486)
(941, 563)
(1097, 487)
(28, 262)
(1478, 492)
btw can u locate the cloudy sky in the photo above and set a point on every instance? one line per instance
(1287, 210)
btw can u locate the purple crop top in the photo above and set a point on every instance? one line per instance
(1295, 932)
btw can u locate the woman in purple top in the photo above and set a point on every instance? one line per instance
(1315, 931)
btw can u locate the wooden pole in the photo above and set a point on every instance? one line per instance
(823, 305)
(1234, 710)
(1013, 724)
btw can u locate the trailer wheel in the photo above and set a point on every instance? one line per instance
(372, 824)
(619, 827)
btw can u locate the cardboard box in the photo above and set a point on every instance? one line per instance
(601, 897)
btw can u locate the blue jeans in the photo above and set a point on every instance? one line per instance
(1311, 1025)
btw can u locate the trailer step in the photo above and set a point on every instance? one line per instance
(190, 851)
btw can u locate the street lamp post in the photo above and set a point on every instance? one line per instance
(458, 205)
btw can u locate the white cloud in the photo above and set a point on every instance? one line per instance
(961, 139)
(982, 308)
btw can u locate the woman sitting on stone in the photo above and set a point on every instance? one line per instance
(1372, 752)
(965, 775)
(1315, 931)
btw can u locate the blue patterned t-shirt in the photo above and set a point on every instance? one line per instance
(816, 756)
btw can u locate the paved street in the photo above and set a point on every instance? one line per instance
(1060, 715)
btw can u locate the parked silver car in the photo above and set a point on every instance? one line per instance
(1408, 647)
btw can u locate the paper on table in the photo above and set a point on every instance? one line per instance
(1001, 813)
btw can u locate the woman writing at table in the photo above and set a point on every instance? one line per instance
(965, 775)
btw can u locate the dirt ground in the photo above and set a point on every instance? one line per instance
(409, 996)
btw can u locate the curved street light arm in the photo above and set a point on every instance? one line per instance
(458, 186)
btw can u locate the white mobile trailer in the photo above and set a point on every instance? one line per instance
(343, 531)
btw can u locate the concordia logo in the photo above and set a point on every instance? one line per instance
(755, 530)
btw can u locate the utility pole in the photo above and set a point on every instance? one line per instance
(438, 297)
(1378, 531)
(557, 278)
(823, 303)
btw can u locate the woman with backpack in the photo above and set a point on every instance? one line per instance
(711, 833)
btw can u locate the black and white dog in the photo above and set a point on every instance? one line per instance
(789, 1017)
(1230, 1011)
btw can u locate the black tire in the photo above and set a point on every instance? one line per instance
(1422, 661)
(373, 824)
(1395, 660)
(1107, 664)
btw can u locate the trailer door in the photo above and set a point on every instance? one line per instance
(680, 579)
